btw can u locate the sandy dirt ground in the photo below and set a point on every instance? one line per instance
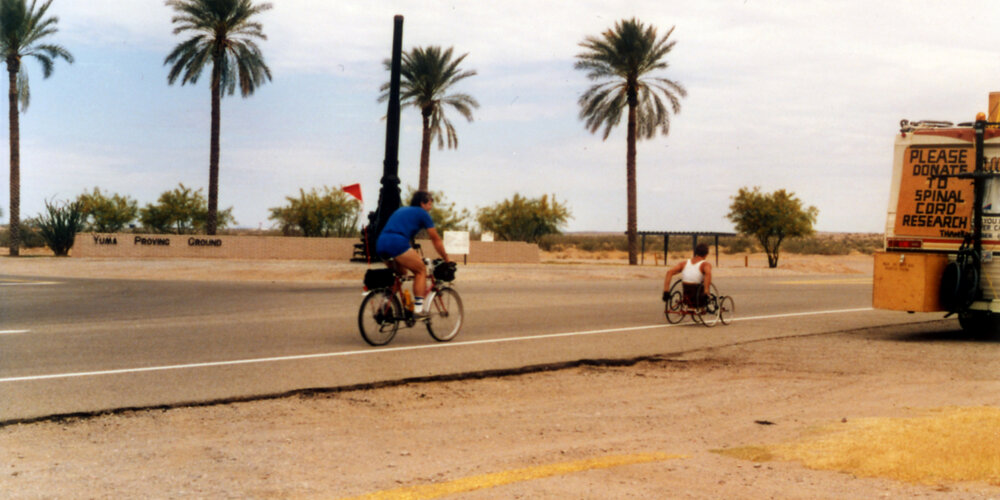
(676, 426)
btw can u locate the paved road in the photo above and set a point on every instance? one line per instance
(85, 345)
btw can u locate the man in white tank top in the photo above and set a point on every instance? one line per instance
(694, 272)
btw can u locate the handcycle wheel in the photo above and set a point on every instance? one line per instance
(674, 309)
(445, 315)
(379, 316)
(709, 315)
(727, 309)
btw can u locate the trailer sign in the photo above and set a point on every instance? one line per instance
(931, 206)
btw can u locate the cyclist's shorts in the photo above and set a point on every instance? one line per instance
(391, 245)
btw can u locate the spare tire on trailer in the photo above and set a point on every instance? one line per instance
(959, 284)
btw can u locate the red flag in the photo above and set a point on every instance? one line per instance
(353, 190)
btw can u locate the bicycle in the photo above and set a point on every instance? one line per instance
(386, 305)
(717, 308)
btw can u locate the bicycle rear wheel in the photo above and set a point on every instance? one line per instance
(378, 318)
(727, 309)
(445, 315)
(675, 308)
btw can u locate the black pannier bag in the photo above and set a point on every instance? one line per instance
(379, 278)
(445, 272)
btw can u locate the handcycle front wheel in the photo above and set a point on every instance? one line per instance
(727, 309)
(379, 316)
(445, 315)
(674, 309)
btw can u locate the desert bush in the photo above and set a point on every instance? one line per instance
(739, 244)
(524, 219)
(325, 212)
(834, 244)
(817, 244)
(584, 242)
(30, 238)
(181, 211)
(58, 225)
(107, 214)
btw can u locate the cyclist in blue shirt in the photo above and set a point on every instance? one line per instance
(394, 242)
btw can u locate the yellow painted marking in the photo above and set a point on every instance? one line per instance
(485, 481)
(940, 445)
(832, 281)
(16, 281)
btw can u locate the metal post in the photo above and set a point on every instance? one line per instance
(666, 249)
(979, 192)
(979, 189)
(642, 259)
(716, 250)
(388, 197)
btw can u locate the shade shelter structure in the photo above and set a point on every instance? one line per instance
(694, 241)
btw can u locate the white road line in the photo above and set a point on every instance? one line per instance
(390, 349)
(29, 283)
(12, 332)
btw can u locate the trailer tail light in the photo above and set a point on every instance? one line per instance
(898, 243)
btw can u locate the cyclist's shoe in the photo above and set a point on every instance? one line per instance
(420, 313)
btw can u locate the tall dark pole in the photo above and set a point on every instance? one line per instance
(388, 196)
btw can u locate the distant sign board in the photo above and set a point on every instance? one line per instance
(940, 207)
(456, 242)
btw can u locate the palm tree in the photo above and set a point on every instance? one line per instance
(619, 59)
(22, 27)
(426, 74)
(224, 34)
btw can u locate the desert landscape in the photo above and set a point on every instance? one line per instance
(856, 414)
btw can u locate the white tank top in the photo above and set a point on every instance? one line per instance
(692, 272)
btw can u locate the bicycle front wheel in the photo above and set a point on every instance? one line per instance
(379, 317)
(445, 315)
(727, 308)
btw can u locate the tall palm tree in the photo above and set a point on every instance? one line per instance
(620, 59)
(426, 75)
(224, 35)
(22, 27)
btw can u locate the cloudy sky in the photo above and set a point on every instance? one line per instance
(798, 95)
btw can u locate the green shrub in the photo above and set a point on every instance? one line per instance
(181, 211)
(58, 225)
(107, 214)
(524, 219)
(322, 212)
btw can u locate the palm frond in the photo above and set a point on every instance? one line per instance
(22, 27)
(227, 24)
(620, 60)
(426, 76)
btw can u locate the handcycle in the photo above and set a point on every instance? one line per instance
(386, 304)
(708, 311)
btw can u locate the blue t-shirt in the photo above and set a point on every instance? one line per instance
(408, 221)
